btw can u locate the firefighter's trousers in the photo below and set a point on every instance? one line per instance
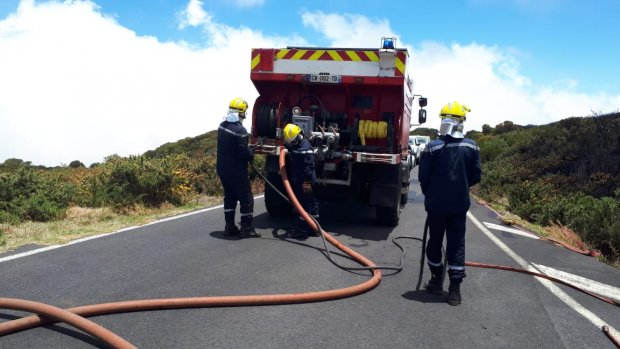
(453, 226)
(237, 189)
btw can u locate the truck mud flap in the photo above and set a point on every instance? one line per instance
(386, 186)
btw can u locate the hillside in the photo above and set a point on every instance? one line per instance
(574, 154)
(199, 146)
(566, 173)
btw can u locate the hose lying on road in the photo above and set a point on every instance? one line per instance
(221, 301)
(67, 317)
(75, 316)
(518, 270)
(317, 228)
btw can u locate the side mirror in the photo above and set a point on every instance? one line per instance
(422, 116)
(423, 102)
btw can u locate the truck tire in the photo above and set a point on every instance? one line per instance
(274, 203)
(388, 216)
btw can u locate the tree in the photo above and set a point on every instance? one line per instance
(487, 130)
(14, 164)
(506, 127)
(76, 164)
(424, 131)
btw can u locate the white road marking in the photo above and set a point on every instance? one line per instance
(53, 247)
(590, 316)
(510, 230)
(587, 284)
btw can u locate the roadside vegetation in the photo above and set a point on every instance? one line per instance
(41, 205)
(556, 178)
(563, 177)
(561, 180)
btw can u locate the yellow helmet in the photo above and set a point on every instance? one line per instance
(238, 104)
(292, 133)
(454, 110)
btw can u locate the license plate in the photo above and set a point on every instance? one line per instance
(325, 78)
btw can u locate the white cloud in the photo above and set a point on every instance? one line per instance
(485, 78)
(348, 30)
(193, 15)
(76, 85)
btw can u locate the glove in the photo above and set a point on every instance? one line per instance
(307, 188)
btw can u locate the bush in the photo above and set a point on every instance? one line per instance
(597, 221)
(491, 147)
(29, 194)
(138, 180)
(529, 199)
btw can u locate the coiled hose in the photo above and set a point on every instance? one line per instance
(369, 129)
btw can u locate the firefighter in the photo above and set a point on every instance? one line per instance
(302, 176)
(233, 156)
(450, 165)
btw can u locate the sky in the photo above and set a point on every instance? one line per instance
(83, 80)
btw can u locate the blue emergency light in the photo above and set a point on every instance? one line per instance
(388, 43)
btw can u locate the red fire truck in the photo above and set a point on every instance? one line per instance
(355, 106)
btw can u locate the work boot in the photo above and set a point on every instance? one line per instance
(249, 232)
(299, 234)
(454, 294)
(231, 229)
(434, 285)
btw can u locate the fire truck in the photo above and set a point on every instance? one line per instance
(355, 107)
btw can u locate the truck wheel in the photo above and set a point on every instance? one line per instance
(275, 204)
(388, 216)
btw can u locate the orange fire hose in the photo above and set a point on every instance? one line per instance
(216, 301)
(75, 316)
(67, 317)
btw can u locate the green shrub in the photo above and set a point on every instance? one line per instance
(2, 238)
(29, 194)
(40, 208)
(7, 216)
(491, 147)
(597, 221)
(528, 200)
(138, 180)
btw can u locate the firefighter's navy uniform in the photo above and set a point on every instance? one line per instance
(302, 176)
(233, 156)
(449, 166)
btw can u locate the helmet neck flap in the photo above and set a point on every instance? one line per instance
(233, 115)
(451, 127)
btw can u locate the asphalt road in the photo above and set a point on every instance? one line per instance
(189, 256)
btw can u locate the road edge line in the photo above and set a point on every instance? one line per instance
(554, 289)
(73, 242)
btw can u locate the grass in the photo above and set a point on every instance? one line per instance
(82, 222)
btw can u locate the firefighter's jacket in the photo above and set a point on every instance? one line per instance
(233, 153)
(301, 168)
(449, 166)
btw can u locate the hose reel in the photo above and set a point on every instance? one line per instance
(268, 116)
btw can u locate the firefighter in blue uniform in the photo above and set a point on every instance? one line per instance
(302, 176)
(450, 165)
(233, 156)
